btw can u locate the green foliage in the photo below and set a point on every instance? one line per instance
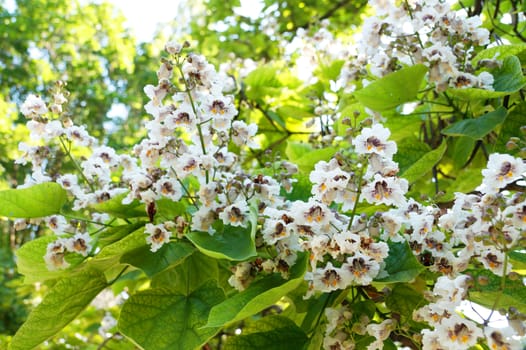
(272, 332)
(153, 263)
(512, 295)
(401, 265)
(479, 127)
(188, 275)
(229, 242)
(114, 207)
(403, 299)
(66, 299)
(423, 165)
(258, 296)
(33, 202)
(305, 157)
(162, 319)
(392, 90)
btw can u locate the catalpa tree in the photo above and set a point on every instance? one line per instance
(362, 195)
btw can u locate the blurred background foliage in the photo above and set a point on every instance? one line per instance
(87, 45)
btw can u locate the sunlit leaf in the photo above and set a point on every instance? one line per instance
(424, 164)
(479, 127)
(258, 296)
(68, 297)
(393, 89)
(400, 264)
(272, 333)
(159, 319)
(32, 202)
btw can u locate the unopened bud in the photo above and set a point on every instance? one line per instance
(367, 122)
(483, 280)
(510, 145)
(523, 129)
(514, 276)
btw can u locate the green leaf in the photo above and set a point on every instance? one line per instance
(331, 71)
(468, 94)
(462, 149)
(229, 242)
(272, 333)
(32, 202)
(110, 255)
(499, 52)
(114, 207)
(393, 89)
(410, 150)
(511, 128)
(68, 297)
(188, 275)
(159, 319)
(258, 296)
(518, 259)
(400, 264)
(294, 112)
(168, 255)
(301, 189)
(277, 118)
(295, 150)
(315, 306)
(424, 164)
(479, 127)
(30, 261)
(509, 77)
(513, 295)
(404, 300)
(261, 81)
(363, 308)
(305, 157)
(115, 233)
(403, 127)
(167, 209)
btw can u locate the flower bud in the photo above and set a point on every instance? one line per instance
(483, 280)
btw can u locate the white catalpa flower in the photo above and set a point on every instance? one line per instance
(458, 333)
(386, 190)
(243, 134)
(235, 214)
(169, 187)
(57, 223)
(80, 243)
(374, 140)
(502, 169)
(55, 254)
(158, 235)
(33, 106)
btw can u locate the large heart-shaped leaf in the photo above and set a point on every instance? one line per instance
(32, 202)
(161, 319)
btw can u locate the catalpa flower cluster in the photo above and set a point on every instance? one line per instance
(427, 32)
(185, 156)
(343, 251)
